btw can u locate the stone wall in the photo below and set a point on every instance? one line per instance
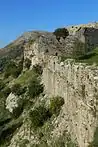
(78, 85)
(91, 38)
(87, 34)
(83, 40)
(43, 46)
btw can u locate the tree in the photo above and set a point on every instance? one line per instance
(61, 32)
(13, 69)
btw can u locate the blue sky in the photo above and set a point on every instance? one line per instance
(18, 16)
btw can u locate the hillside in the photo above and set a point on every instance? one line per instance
(49, 89)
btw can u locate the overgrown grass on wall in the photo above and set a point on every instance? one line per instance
(90, 58)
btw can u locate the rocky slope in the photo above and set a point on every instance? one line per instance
(48, 97)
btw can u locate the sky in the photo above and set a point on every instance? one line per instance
(19, 16)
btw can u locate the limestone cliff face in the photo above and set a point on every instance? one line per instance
(78, 85)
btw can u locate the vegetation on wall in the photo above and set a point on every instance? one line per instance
(39, 115)
(31, 41)
(90, 58)
(62, 141)
(55, 104)
(94, 143)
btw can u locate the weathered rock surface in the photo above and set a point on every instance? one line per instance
(77, 83)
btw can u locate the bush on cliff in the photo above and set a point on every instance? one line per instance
(55, 104)
(38, 116)
(10, 69)
(61, 32)
(6, 91)
(38, 69)
(17, 89)
(13, 69)
(2, 85)
(27, 63)
(34, 87)
(90, 58)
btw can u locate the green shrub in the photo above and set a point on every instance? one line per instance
(7, 131)
(34, 87)
(15, 73)
(38, 69)
(55, 104)
(1, 95)
(17, 89)
(25, 77)
(2, 85)
(6, 91)
(20, 67)
(90, 57)
(31, 41)
(17, 111)
(61, 32)
(39, 115)
(12, 69)
(24, 143)
(94, 143)
(27, 63)
(63, 58)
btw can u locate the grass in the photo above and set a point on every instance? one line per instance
(95, 139)
(25, 77)
(8, 131)
(90, 58)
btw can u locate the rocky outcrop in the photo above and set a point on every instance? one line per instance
(13, 102)
(87, 34)
(49, 45)
(81, 40)
(76, 83)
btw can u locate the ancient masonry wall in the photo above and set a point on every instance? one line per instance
(78, 84)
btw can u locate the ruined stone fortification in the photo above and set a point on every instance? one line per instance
(81, 40)
(87, 34)
(78, 85)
